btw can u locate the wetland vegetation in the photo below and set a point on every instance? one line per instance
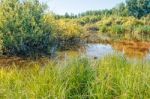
(101, 54)
(78, 78)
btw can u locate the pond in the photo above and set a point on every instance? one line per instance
(130, 50)
(97, 51)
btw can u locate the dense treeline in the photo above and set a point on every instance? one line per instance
(136, 8)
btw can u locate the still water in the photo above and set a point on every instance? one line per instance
(98, 50)
(130, 50)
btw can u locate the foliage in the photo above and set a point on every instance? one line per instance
(89, 19)
(91, 28)
(122, 26)
(146, 19)
(120, 10)
(68, 29)
(110, 77)
(68, 33)
(117, 29)
(138, 8)
(143, 29)
(23, 27)
(104, 29)
(104, 12)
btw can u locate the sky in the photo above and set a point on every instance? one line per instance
(79, 6)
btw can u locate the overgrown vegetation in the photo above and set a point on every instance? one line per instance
(26, 30)
(129, 20)
(128, 27)
(68, 34)
(111, 77)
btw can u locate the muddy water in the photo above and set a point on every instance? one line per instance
(100, 50)
(130, 49)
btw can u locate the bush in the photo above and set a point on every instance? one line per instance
(89, 19)
(104, 29)
(68, 33)
(143, 30)
(24, 29)
(146, 19)
(131, 21)
(126, 27)
(117, 29)
(107, 21)
(68, 29)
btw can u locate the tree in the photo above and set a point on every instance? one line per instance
(138, 8)
(120, 10)
(67, 15)
(23, 27)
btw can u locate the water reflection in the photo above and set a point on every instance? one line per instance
(98, 50)
(133, 50)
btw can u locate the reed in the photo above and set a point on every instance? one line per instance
(78, 78)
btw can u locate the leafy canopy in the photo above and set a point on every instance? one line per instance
(138, 8)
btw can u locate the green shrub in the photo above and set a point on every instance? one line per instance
(131, 21)
(107, 21)
(143, 32)
(146, 19)
(125, 27)
(68, 29)
(104, 29)
(89, 19)
(68, 33)
(117, 29)
(23, 28)
(146, 29)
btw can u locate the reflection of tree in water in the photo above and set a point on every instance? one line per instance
(133, 49)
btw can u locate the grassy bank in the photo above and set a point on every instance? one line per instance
(110, 77)
(117, 28)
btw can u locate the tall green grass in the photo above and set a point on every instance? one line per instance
(79, 78)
